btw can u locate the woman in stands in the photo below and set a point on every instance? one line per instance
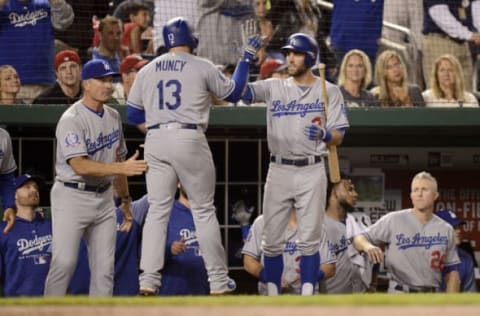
(354, 78)
(9, 85)
(393, 89)
(448, 87)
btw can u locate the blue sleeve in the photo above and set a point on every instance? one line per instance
(135, 116)
(7, 189)
(240, 77)
(450, 268)
(140, 210)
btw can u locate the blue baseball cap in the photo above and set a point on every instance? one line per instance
(450, 217)
(97, 68)
(21, 180)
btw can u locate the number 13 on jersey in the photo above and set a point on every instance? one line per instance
(169, 94)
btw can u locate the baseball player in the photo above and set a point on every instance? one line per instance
(420, 246)
(90, 157)
(184, 272)
(7, 173)
(171, 99)
(466, 268)
(339, 195)
(298, 133)
(127, 255)
(253, 257)
(25, 252)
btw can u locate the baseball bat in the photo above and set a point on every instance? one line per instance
(333, 165)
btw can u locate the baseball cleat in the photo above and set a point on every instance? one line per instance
(229, 287)
(144, 291)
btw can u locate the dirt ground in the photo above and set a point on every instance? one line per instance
(239, 311)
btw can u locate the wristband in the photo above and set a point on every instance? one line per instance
(126, 198)
(327, 137)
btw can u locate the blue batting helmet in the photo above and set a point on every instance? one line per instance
(177, 32)
(303, 43)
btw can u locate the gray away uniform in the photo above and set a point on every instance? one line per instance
(174, 90)
(291, 255)
(79, 212)
(416, 253)
(289, 109)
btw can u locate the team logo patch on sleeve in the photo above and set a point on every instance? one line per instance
(72, 139)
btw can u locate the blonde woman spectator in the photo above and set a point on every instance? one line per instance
(9, 85)
(355, 76)
(393, 89)
(447, 85)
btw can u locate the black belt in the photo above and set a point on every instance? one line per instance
(174, 125)
(423, 289)
(296, 162)
(87, 187)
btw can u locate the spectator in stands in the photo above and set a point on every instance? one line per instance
(27, 43)
(266, 28)
(466, 268)
(67, 88)
(79, 35)
(291, 16)
(139, 15)
(273, 68)
(393, 89)
(354, 78)
(356, 25)
(448, 27)
(110, 49)
(23, 264)
(129, 68)
(121, 10)
(447, 88)
(110, 46)
(184, 272)
(10, 85)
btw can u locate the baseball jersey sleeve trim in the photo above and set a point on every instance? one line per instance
(452, 267)
(83, 153)
(251, 254)
(135, 116)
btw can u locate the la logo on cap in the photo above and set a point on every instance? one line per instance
(106, 65)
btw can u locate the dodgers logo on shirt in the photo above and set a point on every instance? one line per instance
(72, 139)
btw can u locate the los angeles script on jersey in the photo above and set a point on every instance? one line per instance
(296, 108)
(102, 141)
(422, 241)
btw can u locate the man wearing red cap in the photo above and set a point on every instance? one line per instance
(67, 87)
(128, 68)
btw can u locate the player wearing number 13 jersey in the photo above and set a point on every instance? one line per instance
(420, 247)
(170, 98)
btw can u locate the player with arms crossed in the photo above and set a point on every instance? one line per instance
(420, 247)
(298, 132)
(90, 156)
(171, 99)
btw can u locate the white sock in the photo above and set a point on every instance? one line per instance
(272, 289)
(307, 289)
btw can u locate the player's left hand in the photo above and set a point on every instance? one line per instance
(253, 45)
(126, 208)
(9, 216)
(315, 132)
